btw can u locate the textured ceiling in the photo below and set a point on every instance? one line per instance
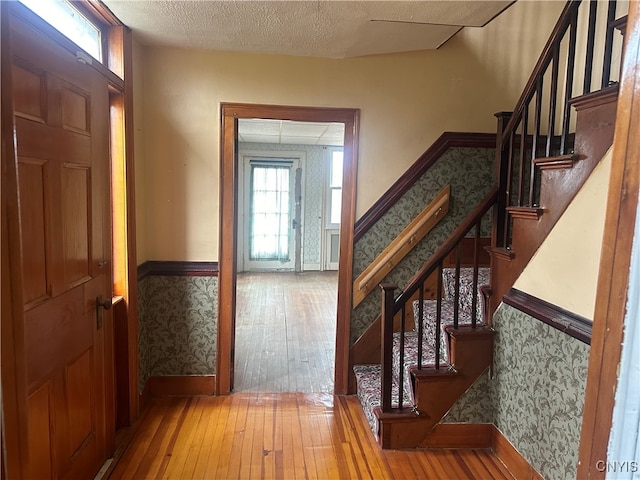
(322, 28)
(290, 132)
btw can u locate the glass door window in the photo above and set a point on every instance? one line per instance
(270, 223)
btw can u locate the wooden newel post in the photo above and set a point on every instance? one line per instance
(386, 361)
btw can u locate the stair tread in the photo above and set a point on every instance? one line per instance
(556, 162)
(527, 213)
(501, 253)
(368, 380)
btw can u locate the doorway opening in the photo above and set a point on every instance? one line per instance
(289, 207)
(233, 248)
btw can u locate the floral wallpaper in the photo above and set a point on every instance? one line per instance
(177, 326)
(314, 182)
(476, 405)
(469, 171)
(538, 391)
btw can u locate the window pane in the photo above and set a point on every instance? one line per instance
(270, 213)
(336, 169)
(70, 22)
(336, 204)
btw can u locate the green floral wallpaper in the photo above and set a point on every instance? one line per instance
(475, 406)
(538, 391)
(177, 325)
(469, 171)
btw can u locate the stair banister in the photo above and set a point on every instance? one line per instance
(548, 53)
(390, 306)
(438, 256)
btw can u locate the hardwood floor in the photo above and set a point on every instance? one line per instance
(285, 332)
(280, 436)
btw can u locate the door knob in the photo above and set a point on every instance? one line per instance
(106, 304)
(100, 306)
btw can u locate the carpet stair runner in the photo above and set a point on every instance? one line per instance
(368, 377)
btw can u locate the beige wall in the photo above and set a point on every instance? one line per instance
(139, 152)
(564, 270)
(406, 101)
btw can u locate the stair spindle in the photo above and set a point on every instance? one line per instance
(571, 59)
(523, 149)
(456, 291)
(591, 40)
(420, 323)
(536, 138)
(608, 44)
(386, 378)
(438, 315)
(476, 261)
(553, 99)
(401, 372)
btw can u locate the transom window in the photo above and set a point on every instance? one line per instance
(69, 21)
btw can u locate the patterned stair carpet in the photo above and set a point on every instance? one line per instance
(368, 377)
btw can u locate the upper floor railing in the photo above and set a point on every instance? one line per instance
(582, 55)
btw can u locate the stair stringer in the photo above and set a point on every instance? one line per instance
(436, 391)
(595, 124)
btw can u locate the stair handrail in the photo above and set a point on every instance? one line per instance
(557, 34)
(391, 306)
(516, 152)
(400, 246)
(445, 249)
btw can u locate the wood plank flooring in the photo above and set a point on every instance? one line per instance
(280, 436)
(285, 332)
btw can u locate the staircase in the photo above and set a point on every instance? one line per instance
(417, 369)
(546, 149)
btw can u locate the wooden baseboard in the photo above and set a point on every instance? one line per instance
(512, 459)
(178, 386)
(460, 435)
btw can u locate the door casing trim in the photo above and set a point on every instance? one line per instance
(227, 249)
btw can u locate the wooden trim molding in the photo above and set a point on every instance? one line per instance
(177, 269)
(446, 141)
(178, 386)
(13, 414)
(570, 323)
(512, 458)
(461, 435)
(615, 261)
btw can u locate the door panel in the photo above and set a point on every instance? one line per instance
(75, 109)
(39, 412)
(62, 122)
(33, 216)
(29, 91)
(77, 377)
(75, 203)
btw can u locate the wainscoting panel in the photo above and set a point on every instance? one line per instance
(177, 318)
(538, 391)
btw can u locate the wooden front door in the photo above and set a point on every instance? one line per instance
(62, 128)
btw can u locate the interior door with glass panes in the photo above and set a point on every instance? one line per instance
(270, 224)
